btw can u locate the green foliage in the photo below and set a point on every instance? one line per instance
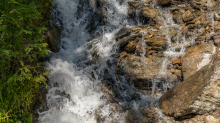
(21, 47)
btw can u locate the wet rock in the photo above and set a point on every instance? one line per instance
(177, 61)
(216, 17)
(157, 41)
(165, 2)
(123, 42)
(122, 33)
(211, 119)
(172, 70)
(140, 50)
(142, 70)
(149, 35)
(196, 57)
(93, 4)
(217, 40)
(102, 12)
(178, 18)
(187, 16)
(149, 12)
(198, 94)
(52, 37)
(131, 47)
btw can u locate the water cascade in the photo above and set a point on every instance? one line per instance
(77, 91)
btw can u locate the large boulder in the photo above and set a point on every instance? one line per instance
(142, 70)
(52, 37)
(199, 94)
(196, 57)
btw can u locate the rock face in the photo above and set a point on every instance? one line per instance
(198, 94)
(141, 70)
(53, 37)
(196, 57)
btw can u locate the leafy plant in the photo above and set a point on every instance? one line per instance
(21, 47)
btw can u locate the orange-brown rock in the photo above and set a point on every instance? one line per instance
(198, 94)
(196, 57)
(177, 61)
(149, 12)
(157, 41)
(172, 70)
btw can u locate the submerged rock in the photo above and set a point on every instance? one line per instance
(53, 37)
(199, 94)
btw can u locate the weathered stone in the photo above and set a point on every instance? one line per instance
(126, 40)
(123, 32)
(144, 70)
(140, 50)
(196, 57)
(53, 37)
(217, 17)
(149, 12)
(157, 41)
(198, 94)
(178, 73)
(177, 61)
(178, 18)
(149, 35)
(165, 2)
(172, 70)
(131, 46)
(187, 16)
(211, 119)
(217, 40)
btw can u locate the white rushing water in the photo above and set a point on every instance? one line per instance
(75, 93)
(82, 101)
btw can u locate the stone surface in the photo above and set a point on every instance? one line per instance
(149, 12)
(165, 2)
(196, 57)
(177, 61)
(157, 41)
(123, 42)
(123, 32)
(211, 119)
(53, 37)
(141, 70)
(131, 47)
(199, 94)
(187, 16)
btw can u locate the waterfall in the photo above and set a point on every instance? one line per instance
(76, 92)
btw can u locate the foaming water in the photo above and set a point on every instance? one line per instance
(75, 93)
